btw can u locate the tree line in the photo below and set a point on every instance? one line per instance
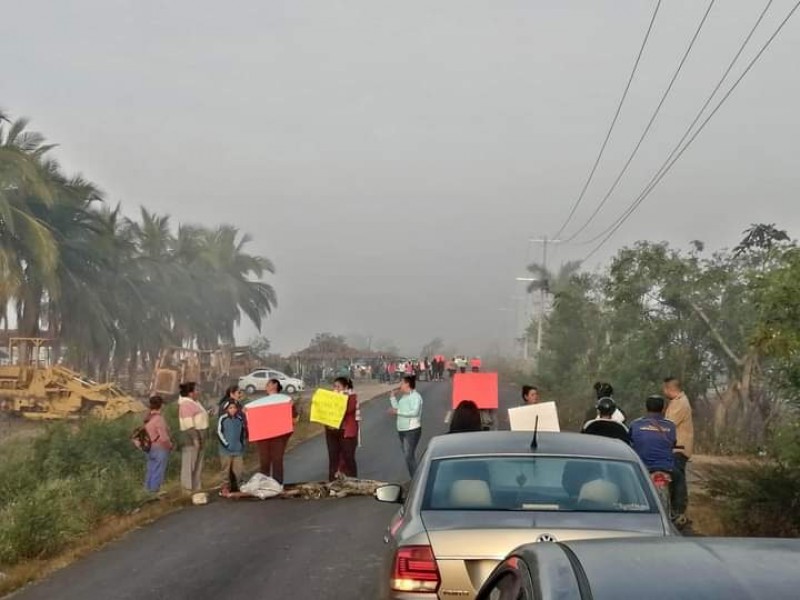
(113, 290)
(727, 323)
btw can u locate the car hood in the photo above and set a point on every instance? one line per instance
(493, 534)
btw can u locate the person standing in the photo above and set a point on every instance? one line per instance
(604, 425)
(679, 411)
(232, 394)
(271, 451)
(408, 410)
(232, 434)
(160, 446)
(193, 419)
(466, 417)
(530, 394)
(605, 390)
(343, 441)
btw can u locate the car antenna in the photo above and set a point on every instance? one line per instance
(534, 443)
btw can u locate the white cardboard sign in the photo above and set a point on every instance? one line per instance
(523, 418)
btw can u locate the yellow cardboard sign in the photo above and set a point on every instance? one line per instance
(328, 408)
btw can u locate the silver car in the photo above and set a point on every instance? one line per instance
(477, 496)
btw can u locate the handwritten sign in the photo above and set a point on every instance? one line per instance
(481, 388)
(328, 408)
(523, 418)
(269, 417)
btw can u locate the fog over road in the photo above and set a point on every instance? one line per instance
(270, 549)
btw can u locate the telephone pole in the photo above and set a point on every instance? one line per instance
(544, 289)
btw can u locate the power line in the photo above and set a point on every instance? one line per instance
(698, 116)
(613, 123)
(646, 129)
(652, 185)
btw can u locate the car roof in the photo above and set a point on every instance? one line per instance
(517, 442)
(679, 567)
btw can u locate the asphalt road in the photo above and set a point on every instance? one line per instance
(263, 549)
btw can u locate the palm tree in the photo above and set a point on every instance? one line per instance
(226, 282)
(550, 282)
(26, 242)
(546, 282)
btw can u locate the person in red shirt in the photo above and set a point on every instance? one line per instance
(342, 442)
(475, 364)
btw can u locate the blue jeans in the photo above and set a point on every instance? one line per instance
(408, 442)
(156, 468)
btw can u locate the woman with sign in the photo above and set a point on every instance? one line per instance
(272, 447)
(342, 441)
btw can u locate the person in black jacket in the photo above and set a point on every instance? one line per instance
(605, 425)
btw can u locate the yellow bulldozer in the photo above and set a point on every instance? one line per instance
(33, 387)
(212, 370)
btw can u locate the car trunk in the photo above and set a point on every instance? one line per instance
(467, 555)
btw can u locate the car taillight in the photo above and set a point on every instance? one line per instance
(660, 479)
(415, 570)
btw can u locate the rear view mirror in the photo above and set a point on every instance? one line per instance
(389, 493)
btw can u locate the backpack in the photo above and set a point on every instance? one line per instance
(141, 439)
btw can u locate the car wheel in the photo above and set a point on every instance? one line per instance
(250, 389)
(290, 389)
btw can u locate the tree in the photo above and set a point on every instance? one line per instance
(260, 346)
(114, 290)
(432, 348)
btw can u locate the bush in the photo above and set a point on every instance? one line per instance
(63, 483)
(761, 500)
(41, 522)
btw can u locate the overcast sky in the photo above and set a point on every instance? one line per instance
(393, 158)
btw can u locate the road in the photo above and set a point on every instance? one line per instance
(326, 549)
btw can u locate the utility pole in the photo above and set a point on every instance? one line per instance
(544, 289)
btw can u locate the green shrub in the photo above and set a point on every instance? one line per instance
(759, 500)
(41, 522)
(65, 482)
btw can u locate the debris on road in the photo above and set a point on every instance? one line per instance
(340, 488)
(313, 490)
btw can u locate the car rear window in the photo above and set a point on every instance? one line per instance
(544, 483)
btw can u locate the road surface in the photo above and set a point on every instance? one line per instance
(275, 549)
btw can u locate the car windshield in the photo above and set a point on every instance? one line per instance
(544, 483)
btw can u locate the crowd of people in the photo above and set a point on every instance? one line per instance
(436, 368)
(663, 438)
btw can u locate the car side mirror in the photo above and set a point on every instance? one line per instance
(392, 493)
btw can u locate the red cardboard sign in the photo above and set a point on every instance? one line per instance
(481, 388)
(268, 421)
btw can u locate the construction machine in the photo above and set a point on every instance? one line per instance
(32, 386)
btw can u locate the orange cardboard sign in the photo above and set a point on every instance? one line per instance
(268, 419)
(481, 388)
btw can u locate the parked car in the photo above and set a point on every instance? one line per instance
(257, 381)
(476, 496)
(657, 569)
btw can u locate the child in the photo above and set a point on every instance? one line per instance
(232, 433)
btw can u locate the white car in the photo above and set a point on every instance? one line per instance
(257, 381)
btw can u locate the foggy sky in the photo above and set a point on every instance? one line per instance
(393, 158)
